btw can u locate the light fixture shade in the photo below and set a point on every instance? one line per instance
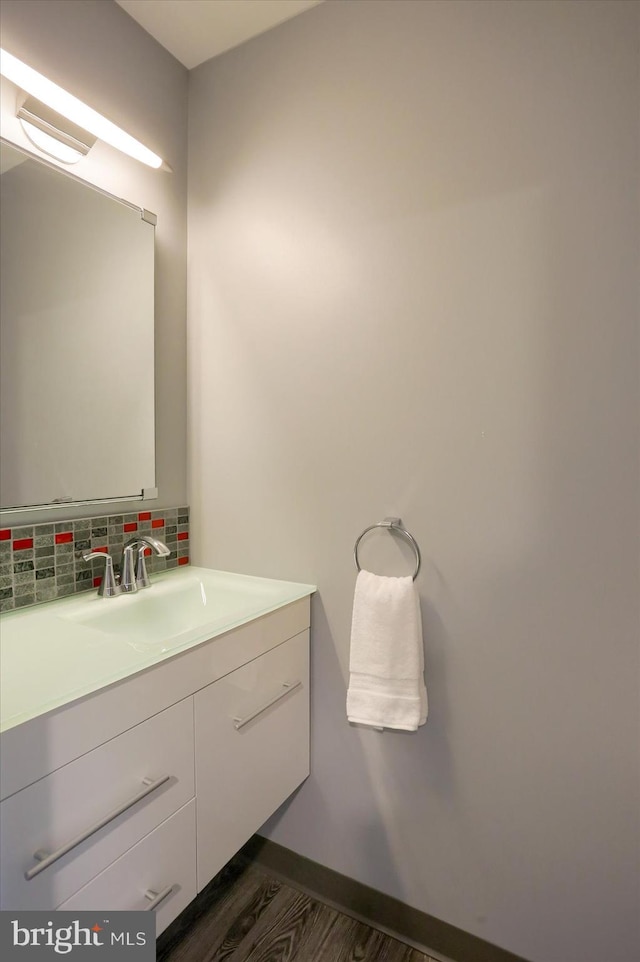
(50, 145)
(54, 134)
(75, 110)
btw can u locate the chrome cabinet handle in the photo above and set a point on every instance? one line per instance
(44, 860)
(157, 897)
(288, 687)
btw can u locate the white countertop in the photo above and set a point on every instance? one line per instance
(54, 653)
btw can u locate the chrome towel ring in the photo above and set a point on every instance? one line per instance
(396, 525)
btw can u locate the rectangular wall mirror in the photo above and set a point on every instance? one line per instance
(76, 340)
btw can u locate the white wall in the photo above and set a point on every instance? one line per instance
(97, 52)
(413, 258)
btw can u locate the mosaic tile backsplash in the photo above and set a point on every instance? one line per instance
(41, 562)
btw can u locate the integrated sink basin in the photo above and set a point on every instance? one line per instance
(53, 653)
(159, 617)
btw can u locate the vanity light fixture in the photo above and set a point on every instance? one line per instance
(69, 107)
(54, 134)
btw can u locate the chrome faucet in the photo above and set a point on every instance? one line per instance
(133, 570)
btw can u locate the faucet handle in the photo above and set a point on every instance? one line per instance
(127, 568)
(109, 587)
(142, 577)
(134, 570)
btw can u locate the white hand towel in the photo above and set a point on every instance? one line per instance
(386, 682)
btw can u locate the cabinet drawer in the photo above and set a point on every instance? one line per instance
(252, 749)
(53, 814)
(162, 864)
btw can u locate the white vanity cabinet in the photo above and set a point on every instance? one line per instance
(53, 813)
(144, 789)
(252, 749)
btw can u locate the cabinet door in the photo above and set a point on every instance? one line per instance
(252, 749)
(145, 774)
(158, 874)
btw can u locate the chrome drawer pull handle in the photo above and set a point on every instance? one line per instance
(44, 860)
(288, 687)
(157, 897)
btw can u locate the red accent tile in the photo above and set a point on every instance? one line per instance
(157, 523)
(97, 582)
(64, 537)
(145, 551)
(183, 561)
(144, 516)
(130, 526)
(5, 534)
(22, 543)
(103, 549)
(183, 535)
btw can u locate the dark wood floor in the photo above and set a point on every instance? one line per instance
(245, 915)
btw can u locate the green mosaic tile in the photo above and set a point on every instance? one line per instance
(23, 555)
(23, 600)
(17, 533)
(46, 591)
(49, 570)
(62, 580)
